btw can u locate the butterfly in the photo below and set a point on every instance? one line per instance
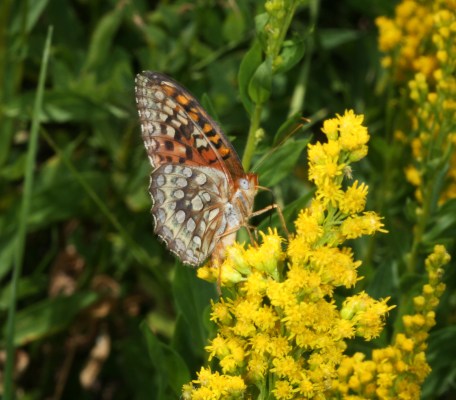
(201, 195)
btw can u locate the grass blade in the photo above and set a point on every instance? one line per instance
(22, 228)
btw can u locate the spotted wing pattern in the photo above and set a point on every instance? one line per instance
(188, 209)
(194, 169)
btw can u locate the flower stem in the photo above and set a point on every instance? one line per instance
(251, 139)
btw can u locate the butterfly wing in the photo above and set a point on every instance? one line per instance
(194, 167)
(188, 203)
(176, 129)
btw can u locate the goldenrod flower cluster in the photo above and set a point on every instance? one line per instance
(420, 48)
(281, 330)
(406, 39)
(398, 371)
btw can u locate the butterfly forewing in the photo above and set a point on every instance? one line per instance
(177, 129)
(195, 170)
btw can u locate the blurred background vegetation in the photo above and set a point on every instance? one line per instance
(103, 310)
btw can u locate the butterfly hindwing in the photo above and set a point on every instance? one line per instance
(188, 209)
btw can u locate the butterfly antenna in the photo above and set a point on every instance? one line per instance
(281, 142)
(273, 206)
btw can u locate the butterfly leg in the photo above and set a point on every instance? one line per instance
(279, 212)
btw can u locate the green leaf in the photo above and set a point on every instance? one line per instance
(443, 224)
(249, 65)
(8, 244)
(292, 52)
(50, 316)
(260, 26)
(383, 282)
(331, 38)
(234, 26)
(103, 37)
(27, 287)
(172, 371)
(260, 84)
(297, 124)
(192, 296)
(440, 354)
(280, 163)
(209, 106)
(35, 10)
(287, 127)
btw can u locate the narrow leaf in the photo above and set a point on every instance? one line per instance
(172, 371)
(281, 162)
(249, 65)
(260, 84)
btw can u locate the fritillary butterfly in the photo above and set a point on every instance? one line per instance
(201, 195)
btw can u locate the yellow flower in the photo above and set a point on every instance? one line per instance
(286, 367)
(325, 170)
(367, 314)
(257, 367)
(279, 346)
(366, 224)
(331, 128)
(220, 312)
(268, 256)
(218, 347)
(404, 343)
(354, 200)
(279, 295)
(305, 386)
(330, 193)
(353, 135)
(413, 175)
(308, 227)
(259, 343)
(298, 249)
(283, 390)
(390, 35)
(214, 386)
(265, 318)
(256, 283)
(335, 266)
(281, 326)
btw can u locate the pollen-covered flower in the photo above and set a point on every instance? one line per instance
(366, 224)
(212, 385)
(354, 199)
(347, 131)
(308, 226)
(366, 313)
(353, 135)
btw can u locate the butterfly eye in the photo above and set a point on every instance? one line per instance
(244, 184)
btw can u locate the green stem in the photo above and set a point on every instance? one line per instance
(273, 52)
(251, 139)
(299, 93)
(387, 183)
(412, 257)
(22, 226)
(283, 31)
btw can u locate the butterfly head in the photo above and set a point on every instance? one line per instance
(244, 194)
(247, 183)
